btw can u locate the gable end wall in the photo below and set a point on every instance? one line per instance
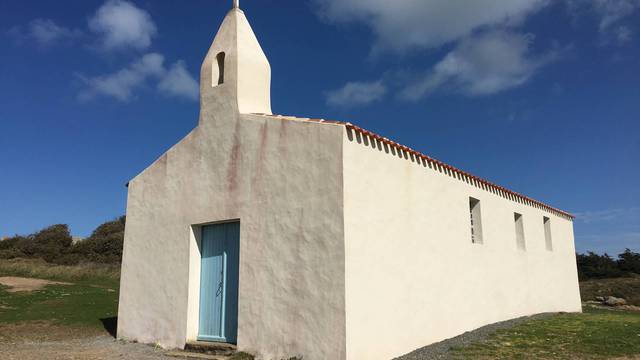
(283, 181)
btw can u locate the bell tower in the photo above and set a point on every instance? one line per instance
(236, 76)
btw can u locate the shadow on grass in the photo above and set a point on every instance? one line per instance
(111, 325)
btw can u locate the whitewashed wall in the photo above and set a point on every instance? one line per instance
(413, 277)
(282, 179)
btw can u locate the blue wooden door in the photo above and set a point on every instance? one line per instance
(220, 248)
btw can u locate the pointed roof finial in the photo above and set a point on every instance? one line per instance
(236, 4)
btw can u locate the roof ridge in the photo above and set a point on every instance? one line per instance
(513, 195)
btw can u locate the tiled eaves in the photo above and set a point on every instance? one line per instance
(438, 165)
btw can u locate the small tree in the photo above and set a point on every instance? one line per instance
(593, 265)
(629, 261)
(103, 246)
(52, 242)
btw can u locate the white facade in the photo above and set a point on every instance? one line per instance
(351, 246)
(411, 269)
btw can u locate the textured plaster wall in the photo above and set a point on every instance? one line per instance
(282, 179)
(413, 277)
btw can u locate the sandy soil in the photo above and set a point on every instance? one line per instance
(45, 341)
(17, 284)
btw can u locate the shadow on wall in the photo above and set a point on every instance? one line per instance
(111, 325)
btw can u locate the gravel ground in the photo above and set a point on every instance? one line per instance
(440, 350)
(97, 348)
(51, 342)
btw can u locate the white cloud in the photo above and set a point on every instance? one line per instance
(121, 85)
(611, 230)
(401, 25)
(123, 25)
(356, 94)
(178, 82)
(44, 32)
(481, 65)
(612, 243)
(623, 34)
(612, 17)
(621, 214)
(612, 11)
(489, 54)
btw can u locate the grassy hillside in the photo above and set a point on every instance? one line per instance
(90, 299)
(627, 288)
(595, 334)
(90, 303)
(38, 268)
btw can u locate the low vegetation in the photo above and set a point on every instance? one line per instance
(595, 334)
(627, 288)
(39, 269)
(77, 304)
(54, 244)
(594, 266)
(91, 267)
(89, 299)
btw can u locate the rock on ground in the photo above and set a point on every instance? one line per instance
(614, 301)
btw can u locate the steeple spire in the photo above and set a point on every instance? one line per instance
(235, 75)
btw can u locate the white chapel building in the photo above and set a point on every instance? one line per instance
(303, 237)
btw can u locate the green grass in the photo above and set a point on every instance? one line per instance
(39, 269)
(595, 334)
(92, 296)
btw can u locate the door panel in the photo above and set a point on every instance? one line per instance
(219, 282)
(232, 249)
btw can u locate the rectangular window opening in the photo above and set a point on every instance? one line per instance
(476, 220)
(519, 231)
(547, 233)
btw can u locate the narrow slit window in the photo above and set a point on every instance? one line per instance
(220, 59)
(547, 233)
(519, 231)
(476, 220)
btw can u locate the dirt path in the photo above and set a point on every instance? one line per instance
(17, 284)
(46, 341)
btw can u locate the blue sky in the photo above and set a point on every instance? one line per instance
(542, 97)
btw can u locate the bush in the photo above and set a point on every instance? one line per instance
(55, 245)
(629, 261)
(47, 244)
(51, 242)
(103, 246)
(594, 266)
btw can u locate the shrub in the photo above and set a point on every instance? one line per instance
(55, 245)
(105, 243)
(629, 261)
(594, 266)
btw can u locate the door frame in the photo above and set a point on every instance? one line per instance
(195, 261)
